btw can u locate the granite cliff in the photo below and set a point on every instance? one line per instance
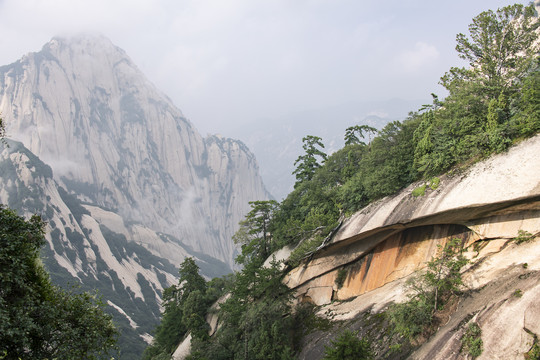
(126, 184)
(377, 249)
(492, 207)
(114, 140)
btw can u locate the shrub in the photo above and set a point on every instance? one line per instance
(429, 291)
(534, 353)
(472, 341)
(348, 347)
(411, 318)
(434, 183)
(523, 237)
(419, 191)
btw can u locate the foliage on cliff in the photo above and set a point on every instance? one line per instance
(429, 292)
(39, 320)
(185, 309)
(348, 347)
(491, 104)
(256, 320)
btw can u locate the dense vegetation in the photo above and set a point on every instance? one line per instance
(39, 320)
(429, 292)
(348, 346)
(491, 104)
(185, 309)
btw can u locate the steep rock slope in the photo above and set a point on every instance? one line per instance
(395, 236)
(95, 248)
(487, 207)
(114, 140)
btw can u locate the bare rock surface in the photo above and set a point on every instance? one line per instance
(491, 208)
(396, 236)
(504, 177)
(114, 140)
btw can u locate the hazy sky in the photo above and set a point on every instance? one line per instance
(236, 61)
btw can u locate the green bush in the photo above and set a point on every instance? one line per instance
(429, 291)
(523, 237)
(534, 353)
(419, 191)
(472, 341)
(348, 347)
(434, 183)
(410, 318)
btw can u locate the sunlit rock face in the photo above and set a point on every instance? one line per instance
(379, 248)
(390, 239)
(115, 141)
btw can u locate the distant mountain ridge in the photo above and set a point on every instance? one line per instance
(277, 142)
(127, 186)
(114, 140)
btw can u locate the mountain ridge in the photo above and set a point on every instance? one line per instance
(115, 140)
(126, 184)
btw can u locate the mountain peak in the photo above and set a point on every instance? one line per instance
(85, 52)
(116, 141)
(84, 42)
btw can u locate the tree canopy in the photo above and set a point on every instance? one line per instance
(354, 133)
(254, 234)
(39, 320)
(309, 162)
(185, 306)
(500, 49)
(491, 102)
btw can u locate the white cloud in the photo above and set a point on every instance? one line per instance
(416, 59)
(379, 113)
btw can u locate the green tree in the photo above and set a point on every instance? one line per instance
(389, 165)
(500, 49)
(489, 102)
(430, 290)
(354, 133)
(184, 309)
(348, 346)
(37, 319)
(443, 274)
(190, 280)
(307, 164)
(526, 106)
(254, 233)
(194, 314)
(257, 318)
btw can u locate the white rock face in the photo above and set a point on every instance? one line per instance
(493, 208)
(76, 241)
(504, 177)
(96, 248)
(113, 139)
